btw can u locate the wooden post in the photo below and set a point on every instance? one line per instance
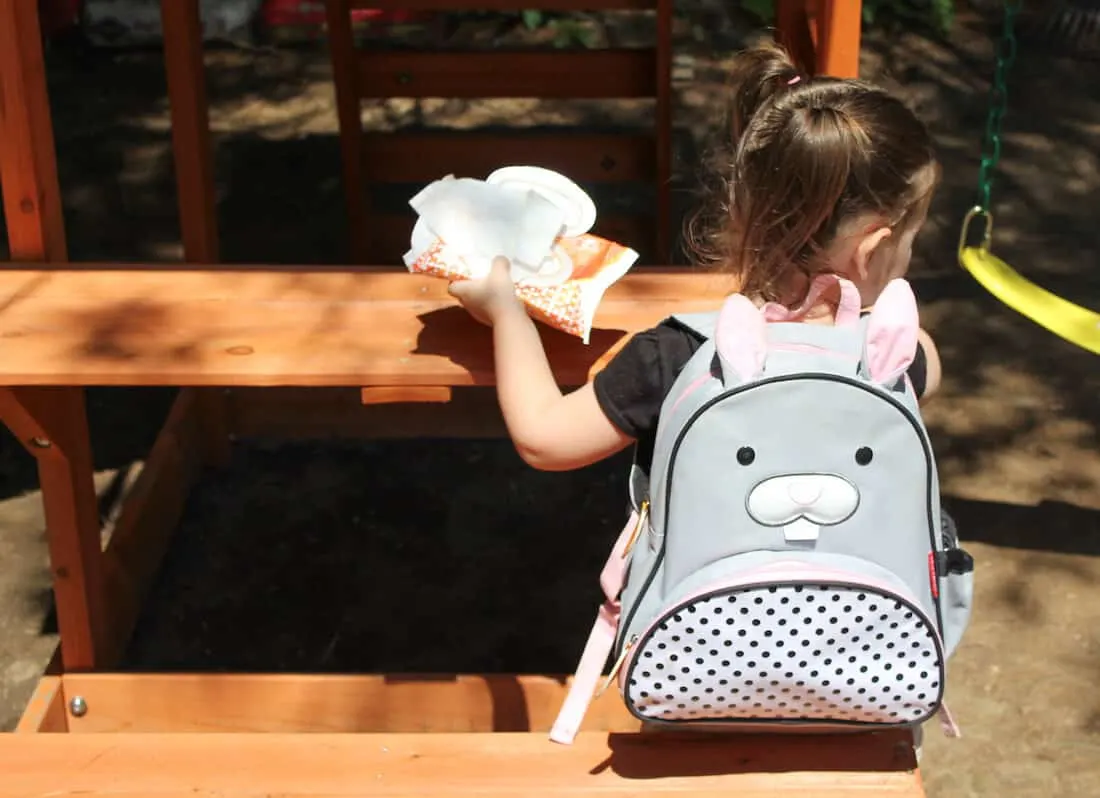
(52, 424)
(839, 29)
(183, 63)
(792, 30)
(341, 43)
(28, 165)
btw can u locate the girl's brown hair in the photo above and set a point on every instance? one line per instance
(805, 155)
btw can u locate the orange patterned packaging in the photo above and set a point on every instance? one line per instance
(581, 268)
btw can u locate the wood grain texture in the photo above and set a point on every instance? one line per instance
(291, 703)
(292, 327)
(597, 764)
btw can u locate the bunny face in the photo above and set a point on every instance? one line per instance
(789, 477)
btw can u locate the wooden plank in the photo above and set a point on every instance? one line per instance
(393, 765)
(45, 712)
(390, 235)
(505, 5)
(291, 327)
(53, 425)
(425, 156)
(338, 413)
(28, 163)
(839, 23)
(345, 79)
(149, 516)
(331, 703)
(183, 62)
(552, 74)
(383, 394)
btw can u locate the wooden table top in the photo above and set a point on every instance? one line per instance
(289, 326)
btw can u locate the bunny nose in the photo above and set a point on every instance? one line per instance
(804, 492)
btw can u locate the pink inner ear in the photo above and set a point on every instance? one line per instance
(892, 332)
(740, 337)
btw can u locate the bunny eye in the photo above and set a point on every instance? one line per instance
(864, 455)
(746, 455)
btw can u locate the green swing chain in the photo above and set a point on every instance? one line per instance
(998, 104)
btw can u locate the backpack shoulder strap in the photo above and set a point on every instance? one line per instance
(702, 323)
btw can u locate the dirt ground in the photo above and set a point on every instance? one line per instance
(326, 556)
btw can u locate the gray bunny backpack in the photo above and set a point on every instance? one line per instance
(787, 565)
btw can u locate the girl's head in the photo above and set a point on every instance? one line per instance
(820, 175)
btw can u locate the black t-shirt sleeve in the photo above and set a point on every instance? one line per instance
(633, 385)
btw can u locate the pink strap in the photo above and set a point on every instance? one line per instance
(847, 313)
(600, 640)
(947, 722)
(587, 678)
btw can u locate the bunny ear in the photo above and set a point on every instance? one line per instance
(891, 342)
(740, 338)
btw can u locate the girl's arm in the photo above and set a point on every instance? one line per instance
(934, 369)
(550, 431)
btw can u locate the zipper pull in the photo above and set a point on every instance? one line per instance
(643, 514)
(615, 668)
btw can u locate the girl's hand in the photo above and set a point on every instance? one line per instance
(490, 298)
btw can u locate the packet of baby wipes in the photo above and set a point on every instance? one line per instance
(536, 218)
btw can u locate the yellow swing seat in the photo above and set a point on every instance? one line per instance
(1076, 324)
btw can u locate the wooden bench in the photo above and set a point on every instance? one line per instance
(273, 342)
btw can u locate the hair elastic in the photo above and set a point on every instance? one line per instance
(794, 80)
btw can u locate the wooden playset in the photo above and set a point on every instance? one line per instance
(304, 350)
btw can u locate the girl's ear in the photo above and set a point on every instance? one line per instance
(892, 332)
(867, 244)
(741, 339)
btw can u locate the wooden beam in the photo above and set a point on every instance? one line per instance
(149, 516)
(583, 74)
(183, 61)
(45, 713)
(161, 703)
(792, 30)
(839, 26)
(423, 156)
(407, 765)
(345, 78)
(52, 423)
(384, 395)
(28, 163)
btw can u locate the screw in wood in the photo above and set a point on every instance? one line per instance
(40, 443)
(78, 706)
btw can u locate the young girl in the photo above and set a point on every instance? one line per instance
(821, 176)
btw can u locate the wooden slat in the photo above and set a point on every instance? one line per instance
(425, 156)
(149, 516)
(505, 5)
(28, 164)
(52, 423)
(338, 413)
(392, 765)
(391, 231)
(552, 74)
(45, 712)
(294, 327)
(331, 703)
(792, 30)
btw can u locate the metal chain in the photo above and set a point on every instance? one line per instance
(998, 104)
